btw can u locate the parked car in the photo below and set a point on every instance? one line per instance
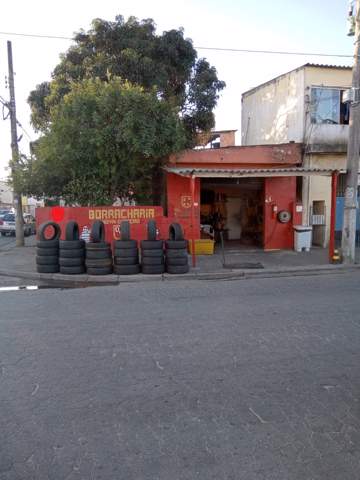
(4, 212)
(7, 225)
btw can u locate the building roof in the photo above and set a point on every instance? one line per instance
(301, 67)
(250, 172)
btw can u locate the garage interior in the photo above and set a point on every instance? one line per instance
(235, 207)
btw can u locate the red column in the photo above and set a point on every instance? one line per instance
(192, 193)
(334, 178)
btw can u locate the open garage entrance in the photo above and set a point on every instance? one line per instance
(235, 208)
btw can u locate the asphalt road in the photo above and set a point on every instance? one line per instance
(7, 242)
(246, 379)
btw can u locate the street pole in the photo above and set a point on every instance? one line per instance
(353, 149)
(19, 220)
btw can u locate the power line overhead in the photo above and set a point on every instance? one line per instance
(218, 49)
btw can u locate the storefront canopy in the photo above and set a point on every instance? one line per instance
(251, 172)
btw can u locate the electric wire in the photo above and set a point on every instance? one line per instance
(218, 49)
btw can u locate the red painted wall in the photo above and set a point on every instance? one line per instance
(279, 192)
(112, 216)
(179, 202)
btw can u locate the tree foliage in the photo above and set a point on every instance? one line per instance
(120, 101)
(105, 140)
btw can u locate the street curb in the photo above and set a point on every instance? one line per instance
(229, 275)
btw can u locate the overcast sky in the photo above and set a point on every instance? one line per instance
(291, 25)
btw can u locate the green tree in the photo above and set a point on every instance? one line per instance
(104, 141)
(134, 52)
(120, 101)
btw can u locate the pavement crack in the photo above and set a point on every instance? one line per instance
(261, 420)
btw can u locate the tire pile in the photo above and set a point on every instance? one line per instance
(152, 252)
(72, 251)
(126, 253)
(47, 249)
(98, 259)
(176, 256)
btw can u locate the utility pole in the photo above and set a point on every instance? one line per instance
(19, 220)
(353, 151)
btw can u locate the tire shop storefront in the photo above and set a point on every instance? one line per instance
(251, 194)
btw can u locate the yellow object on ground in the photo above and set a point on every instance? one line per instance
(202, 247)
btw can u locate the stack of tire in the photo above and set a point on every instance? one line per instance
(47, 249)
(176, 256)
(126, 253)
(72, 251)
(152, 252)
(98, 258)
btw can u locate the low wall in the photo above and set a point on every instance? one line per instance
(112, 216)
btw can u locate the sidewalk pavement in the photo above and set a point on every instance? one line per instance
(242, 263)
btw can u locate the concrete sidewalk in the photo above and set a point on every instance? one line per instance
(243, 263)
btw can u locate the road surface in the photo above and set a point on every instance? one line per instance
(242, 380)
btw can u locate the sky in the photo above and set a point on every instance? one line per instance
(286, 25)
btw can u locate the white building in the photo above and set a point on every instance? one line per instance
(306, 106)
(6, 195)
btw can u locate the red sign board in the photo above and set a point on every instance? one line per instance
(112, 216)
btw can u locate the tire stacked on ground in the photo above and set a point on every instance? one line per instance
(176, 256)
(72, 251)
(47, 249)
(152, 252)
(126, 253)
(98, 258)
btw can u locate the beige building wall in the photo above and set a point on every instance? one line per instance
(273, 112)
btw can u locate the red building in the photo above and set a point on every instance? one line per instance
(250, 193)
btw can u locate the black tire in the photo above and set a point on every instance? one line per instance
(72, 270)
(176, 253)
(151, 230)
(46, 252)
(175, 232)
(48, 243)
(71, 244)
(176, 244)
(152, 253)
(72, 231)
(125, 244)
(151, 244)
(127, 269)
(177, 261)
(126, 260)
(152, 260)
(99, 263)
(97, 245)
(71, 262)
(99, 271)
(153, 269)
(127, 252)
(73, 253)
(48, 260)
(97, 254)
(177, 269)
(97, 234)
(125, 230)
(47, 268)
(44, 226)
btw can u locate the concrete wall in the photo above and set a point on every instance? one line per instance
(6, 195)
(273, 112)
